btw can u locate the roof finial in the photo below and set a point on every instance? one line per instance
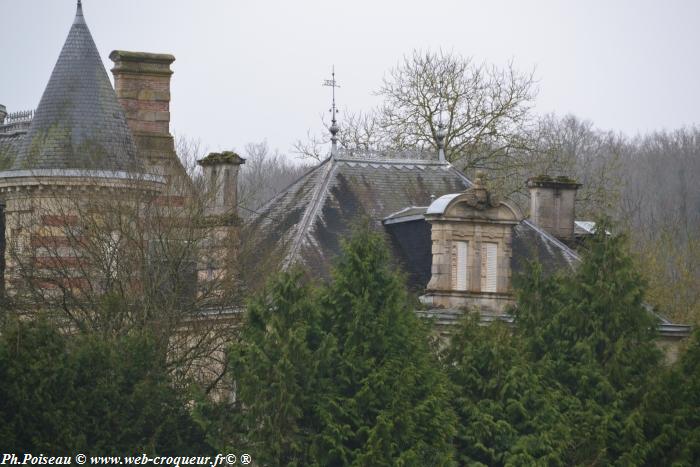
(334, 111)
(79, 14)
(441, 132)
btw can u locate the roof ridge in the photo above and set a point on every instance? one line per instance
(551, 238)
(389, 161)
(460, 174)
(320, 192)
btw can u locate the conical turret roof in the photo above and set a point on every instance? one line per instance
(79, 123)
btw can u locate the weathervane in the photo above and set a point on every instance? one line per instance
(334, 111)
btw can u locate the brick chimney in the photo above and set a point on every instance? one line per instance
(552, 203)
(142, 83)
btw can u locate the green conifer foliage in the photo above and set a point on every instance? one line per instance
(596, 315)
(63, 394)
(277, 366)
(591, 333)
(508, 415)
(345, 376)
(672, 414)
(390, 399)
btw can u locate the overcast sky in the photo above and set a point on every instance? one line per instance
(252, 70)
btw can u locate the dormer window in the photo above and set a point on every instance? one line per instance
(472, 235)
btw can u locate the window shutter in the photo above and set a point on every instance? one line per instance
(460, 269)
(453, 266)
(489, 257)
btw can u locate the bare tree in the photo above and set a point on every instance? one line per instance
(660, 205)
(359, 130)
(189, 150)
(572, 147)
(119, 257)
(485, 109)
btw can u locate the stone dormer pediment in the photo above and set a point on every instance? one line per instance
(473, 205)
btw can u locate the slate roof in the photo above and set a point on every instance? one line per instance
(79, 123)
(9, 144)
(12, 130)
(306, 222)
(410, 238)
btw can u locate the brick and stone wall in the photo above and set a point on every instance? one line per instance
(142, 83)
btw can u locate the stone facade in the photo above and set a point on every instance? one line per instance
(472, 237)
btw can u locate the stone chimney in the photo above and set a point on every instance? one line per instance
(142, 83)
(3, 114)
(552, 205)
(221, 178)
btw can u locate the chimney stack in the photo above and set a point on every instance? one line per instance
(552, 202)
(221, 177)
(142, 83)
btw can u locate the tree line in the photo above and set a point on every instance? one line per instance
(345, 373)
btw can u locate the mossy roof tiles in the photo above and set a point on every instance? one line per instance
(306, 222)
(79, 123)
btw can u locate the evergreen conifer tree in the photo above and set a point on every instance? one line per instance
(62, 394)
(508, 414)
(672, 415)
(390, 400)
(277, 366)
(591, 333)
